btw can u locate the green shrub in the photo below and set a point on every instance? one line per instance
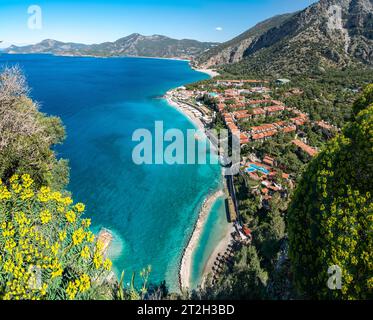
(330, 218)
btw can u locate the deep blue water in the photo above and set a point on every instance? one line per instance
(150, 209)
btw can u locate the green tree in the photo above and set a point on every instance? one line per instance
(330, 218)
(27, 135)
(247, 281)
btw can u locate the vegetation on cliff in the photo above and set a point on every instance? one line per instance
(330, 218)
(27, 135)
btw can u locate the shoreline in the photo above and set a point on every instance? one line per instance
(210, 72)
(187, 113)
(186, 261)
(221, 247)
(189, 249)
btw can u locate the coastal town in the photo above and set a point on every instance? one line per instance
(250, 113)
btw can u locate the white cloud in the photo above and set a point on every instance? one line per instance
(219, 29)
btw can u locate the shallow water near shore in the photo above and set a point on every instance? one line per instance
(150, 209)
(214, 230)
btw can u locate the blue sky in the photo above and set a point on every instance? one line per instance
(97, 21)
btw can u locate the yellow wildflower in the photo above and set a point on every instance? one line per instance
(97, 259)
(10, 244)
(14, 178)
(55, 248)
(62, 235)
(107, 264)
(16, 187)
(4, 193)
(90, 236)
(70, 216)
(80, 207)
(71, 290)
(27, 181)
(84, 283)
(67, 201)
(43, 290)
(85, 253)
(45, 216)
(27, 194)
(86, 223)
(78, 236)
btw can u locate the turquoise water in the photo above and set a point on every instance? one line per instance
(150, 209)
(213, 232)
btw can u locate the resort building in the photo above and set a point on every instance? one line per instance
(239, 83)
(269, 161)
(306, 148)
(299, 121)
(274, 109)
(282, 81)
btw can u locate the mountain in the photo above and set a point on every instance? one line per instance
(233, 50)
(327, 34)
(133, 45)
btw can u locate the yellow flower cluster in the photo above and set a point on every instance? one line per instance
(71, 216)
(45, 216)
(4, 192)
(43, 230)
(81, 285)
(78, 236)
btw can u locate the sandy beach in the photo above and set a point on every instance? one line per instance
(210, 72)
(197, 122)
(186, 262)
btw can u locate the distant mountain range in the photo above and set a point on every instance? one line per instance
(329, 33)
(133, 45)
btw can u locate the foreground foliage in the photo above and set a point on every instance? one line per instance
(27, 135)
(47, 250)
(330, 219)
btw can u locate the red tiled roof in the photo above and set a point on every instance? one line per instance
(263, 135)
(243, 81)
(244, 138)
(221, 107)
(274, 109)
(299, 120)
(263, 127)
(246, 230)
(268, 160)
(290, 129)
(324, 125)
(251, 102)
(258, 111)
(244, 114)
(306, 148)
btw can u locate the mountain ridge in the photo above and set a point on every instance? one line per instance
(329, 33)
(132, 45)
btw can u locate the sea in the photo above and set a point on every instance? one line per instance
(150, 209)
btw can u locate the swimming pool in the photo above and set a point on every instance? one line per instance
(254, 167)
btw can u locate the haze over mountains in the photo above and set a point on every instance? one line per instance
(132, 45)
(329, 33)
